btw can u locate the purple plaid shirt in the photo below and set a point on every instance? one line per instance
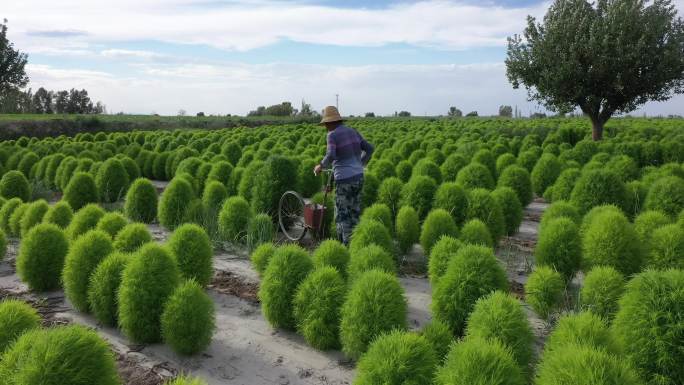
(348, 152)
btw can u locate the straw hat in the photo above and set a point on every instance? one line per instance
(330, 114)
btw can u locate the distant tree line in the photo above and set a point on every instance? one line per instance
(49, 102)
(284, 109)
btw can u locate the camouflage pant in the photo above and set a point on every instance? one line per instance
(347, 208)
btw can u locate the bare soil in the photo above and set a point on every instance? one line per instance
(245, 349)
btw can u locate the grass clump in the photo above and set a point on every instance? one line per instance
(131, 237)
(332, 253)
(407, 228)
(475, 175)
(103, 288)
(81, 191)
(471, 273)
(545, 173)
(389, 193)
(84, 220)
(261, 256)
(544, 290)
(260, 230)
(559, 209)
(437, 224)
(397, 357)
(368, 258)
(288, 266)
(381, 213)
(610, 240)
(16, 317)
(234, 219)
(438, 334)
(445, 249)
(185, 380)
(34, 214)
(14, 223)
(452, 198)
(41, 257)
(649, 323)
(500, 316)
(666, 195)
(59, 214)
(141, 299)
(598, 187)
(666, 248)
(193, 253)
(15, 185)
(316, 307)
(111, 223)
(174, 202)
(519, 180)
(419, 193)
(511, 208)
(603, 286)
(560, 247)
(112, 180)
(69, 355)
(647, 222)
(374, 305)
(483, 206)
(6, 214)
(371, 232)
(188, 320)
(584, 328)
(141, 201)
(84, 255)
(478, 361)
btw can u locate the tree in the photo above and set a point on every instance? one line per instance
(606, 57)
(42, 101)
(471, 114)
(61, 102)
(506, 111)
(12, 62)
(200, 114)
(182, 112)
(404, 114)
(455, 112)
(369, 114)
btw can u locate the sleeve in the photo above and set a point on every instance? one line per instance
(331, 151)
(367, 149)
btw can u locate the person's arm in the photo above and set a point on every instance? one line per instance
(330, 153)
(367, 149)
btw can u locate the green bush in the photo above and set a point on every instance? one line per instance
(442, 252)
(389, 194)
(598, 187)
(407, 228)
(103, 288)
(483, 206)
(308, 184)
(380, 213)
(427, 167)
(560, 209)
(382, 168)
(316, 307)
(3, 245)
(666, 195)
(647, 222)
(141, 201)
(418, 193)
(141, 299)
(636, 197)
(438, 223)
(374, 305)
(188, 320)
(528, 159)
(85, 253)
(369, 191)
(111, 223)
(174, 202)
(559, 246)
(545, 173)
(649, 323)
(404, 170)
(288, 266)
(34, 214)
(234, 218)
(478, 361)
(475, 175)
(451, 166)
(476, 232)
(510, 206)
(610, 240)
(277, 176)
(397, 358)
(500, 316)
(437, 333)
(112, 180)
(261, 256)
(519, 180)
(84, 219)
(41, 257)
(221, 172)
(15, 185)
(584, 328)
(6, 214)
(584, 365)
(602, 288)
(544, 290)
(260, 230)
(81, 191)
(452, 198)
(666, 248)
(68, 355)
(596, 212)
(331, 253)
(371, 257)
(562, 188)
(193, 253)
(16, 317)
(15, 219)
(503, 161)
(59, 214)
(132, 237)
(471, 273)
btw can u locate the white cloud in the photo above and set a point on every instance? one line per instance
(130, 54)
(244, 25)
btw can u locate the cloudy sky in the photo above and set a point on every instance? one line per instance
(229, 56)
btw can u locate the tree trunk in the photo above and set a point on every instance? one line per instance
(597, 129)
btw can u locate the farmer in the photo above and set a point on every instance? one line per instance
(348, 152)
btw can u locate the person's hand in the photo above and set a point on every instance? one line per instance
(317, 169)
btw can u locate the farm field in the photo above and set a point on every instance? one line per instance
(512, 249)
